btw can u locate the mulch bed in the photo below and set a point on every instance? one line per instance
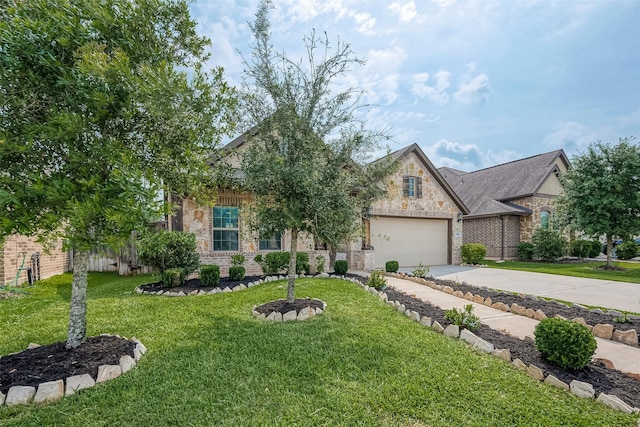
(55, 362)
(604, 380)
(196, 285)
(282, 306)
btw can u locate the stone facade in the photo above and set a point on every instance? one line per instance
(536, 203)
(493, 232)
(17, 247)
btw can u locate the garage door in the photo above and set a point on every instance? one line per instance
(410, 241)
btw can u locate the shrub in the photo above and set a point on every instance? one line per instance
(320, 263)
(596, 248)
(377, 280)
(526, 251)
(463, 318)
(236, 272)
(421, 270)
(172, 277)
(302, 263)
(340, 267)
(391, 266)
(627, 250)
(237, 260)
(473, 253)
(273, 263)
(210, 275)
(169, 249)
(549, 244)
(585, 248)
(565, 343)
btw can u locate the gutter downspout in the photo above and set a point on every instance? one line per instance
(502, 238)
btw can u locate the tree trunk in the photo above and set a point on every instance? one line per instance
(78, 311)
(292, 265)
(332, 258)
(609, 249)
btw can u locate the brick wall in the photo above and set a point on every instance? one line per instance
(16, 246)
(488, 231)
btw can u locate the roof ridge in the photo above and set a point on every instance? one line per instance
(517, 160)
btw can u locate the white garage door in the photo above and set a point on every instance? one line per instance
(410, 241)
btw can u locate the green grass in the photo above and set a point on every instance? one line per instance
(209, 362)
(585, 269)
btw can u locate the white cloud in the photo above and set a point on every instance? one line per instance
(435, 93)
(573, 136)
(466, 157)
(406, 12)
(473, 90)
(365, 21)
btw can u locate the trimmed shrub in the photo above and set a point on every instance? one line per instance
(237, 260)
(473, 253)
(627, 250)
(340, 267)
(273, 263)
(169, 249)
(463, 318)
(585, 248)
(391, 266)
(302, 263)
(210, 275)
(565, 343)
(377, 280)
(596, 248)
(526, 251)
(320, 263)
(549, 244)
(236, 272)
(172, 277)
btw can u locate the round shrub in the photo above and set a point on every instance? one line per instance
(585, 248)
(302, 263)
(172, 277)
(473, 253)
(627, 250)
(210, 275)
(526, 251)
(391, 266)
(236, 272)
(340, 267)
(565, 343)
(169, 249)
(549, 244)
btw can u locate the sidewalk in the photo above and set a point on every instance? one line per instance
(623, 357)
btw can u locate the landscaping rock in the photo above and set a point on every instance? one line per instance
(272, 316)
(241, 287)
(426, 321)
(615, 313)
(629, 337)
(458, 294)
(127, 363)
(615, 402)
(78, 382)
(516, 309)
(141, 348)
(478, 299)
(262, 316)
(319, 311)
(108, 372)
(227, 289)
(290, 315)
(452, 331)
(535, 372)
(136, 354)
(400, 308)
(557, 316)
(447, 289)
(193, 292)
(530, 313)
(488, 302)
(468, 296)
(502, 353)
(581, 389)
(539, 315)
(323, 275)
(580, 320)
(414, 316)
(437, 327)
(407, 313)
(603, 331)
(553, 381)
(519, 364)
(476, 342)
(32, 345)
(597, 310)
(2, 397)
(181, 294)
(20, 395)
(500, 306)
(52, 390)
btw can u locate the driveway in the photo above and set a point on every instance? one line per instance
(594, 292)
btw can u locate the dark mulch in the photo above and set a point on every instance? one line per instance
(54, 362)
(195, 284)
(604, 380)
(282, 306)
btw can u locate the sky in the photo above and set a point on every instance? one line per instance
(474, 83)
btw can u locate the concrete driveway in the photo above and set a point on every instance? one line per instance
(601, 293)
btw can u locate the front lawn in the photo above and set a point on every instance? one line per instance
(211, 363)
(583, 269)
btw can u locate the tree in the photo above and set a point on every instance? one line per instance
(602, 192)
(304, 158)
(102, 103)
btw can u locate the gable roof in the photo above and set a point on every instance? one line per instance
(415, 148)
(488, 192)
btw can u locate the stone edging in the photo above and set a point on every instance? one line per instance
(579, 388)
(601, 330)
(304, 314)
(240, 287)
(54, 390)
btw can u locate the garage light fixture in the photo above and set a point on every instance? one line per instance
(459, 216)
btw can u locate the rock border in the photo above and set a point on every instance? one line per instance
(53, 390)
(601, 330)
(304, 314)
(578, 388)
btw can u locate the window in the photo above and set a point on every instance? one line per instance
(225, 229)
(544, 219)
(271, 243)
(412, 186)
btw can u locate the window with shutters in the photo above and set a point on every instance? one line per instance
(412, 186)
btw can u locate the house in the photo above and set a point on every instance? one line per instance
(19, 253)
(508, 202)
(418, 222)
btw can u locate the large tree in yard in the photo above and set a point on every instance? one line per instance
(102, 103)
(304, 161)
(602, 192)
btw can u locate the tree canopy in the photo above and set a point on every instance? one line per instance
(602, 191)
(304, 162)
(102, 103)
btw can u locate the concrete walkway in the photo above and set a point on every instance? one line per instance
(624, 357)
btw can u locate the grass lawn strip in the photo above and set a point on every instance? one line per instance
(211, 363)
(578, 269)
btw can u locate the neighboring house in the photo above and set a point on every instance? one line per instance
(508, 202)
(18, 253)
(419, 221)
